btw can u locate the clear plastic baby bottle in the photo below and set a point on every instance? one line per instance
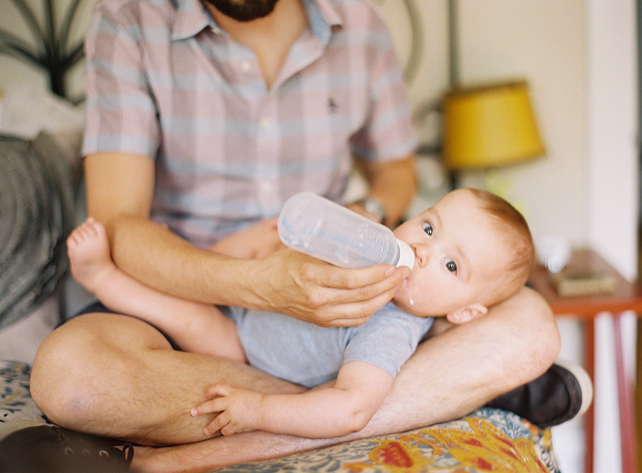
(328, 231)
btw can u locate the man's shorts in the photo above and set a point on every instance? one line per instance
(98, 307)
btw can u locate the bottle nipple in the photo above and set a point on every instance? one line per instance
(406, 255)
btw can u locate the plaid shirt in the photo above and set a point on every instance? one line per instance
(163, 80)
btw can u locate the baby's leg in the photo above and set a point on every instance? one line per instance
(195, 327)
(90, 259)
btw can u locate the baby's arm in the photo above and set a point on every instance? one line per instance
(323, 412)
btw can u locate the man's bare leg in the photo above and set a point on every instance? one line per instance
(448, 377)
(195, 327)
(117, 376)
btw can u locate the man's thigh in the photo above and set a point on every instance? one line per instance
(98, 307)
(95, 367)
(117, 376)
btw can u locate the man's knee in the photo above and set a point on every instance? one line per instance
(547, 341)
(539, 345)
(72, 366)
(552, 344)
(58, 374)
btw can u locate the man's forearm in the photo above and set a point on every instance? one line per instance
(162, 260)
(287, 281)
(393, 184)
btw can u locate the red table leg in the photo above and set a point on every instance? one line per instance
(589, 427)
(625, 401)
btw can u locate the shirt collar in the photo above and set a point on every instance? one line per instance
(322, 16)
(192, 17)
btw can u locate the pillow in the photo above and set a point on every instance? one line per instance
(27, 111)
(37, 215)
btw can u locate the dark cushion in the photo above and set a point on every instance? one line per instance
(36, 202)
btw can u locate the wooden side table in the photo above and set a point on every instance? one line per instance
(625, 296)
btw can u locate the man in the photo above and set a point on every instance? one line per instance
(207, 116)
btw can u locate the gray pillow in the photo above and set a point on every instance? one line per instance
(36, 215)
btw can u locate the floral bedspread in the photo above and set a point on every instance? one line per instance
(488, 440)
(17, 409)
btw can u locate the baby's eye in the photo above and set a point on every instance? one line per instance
(451, 265)
(427, 228)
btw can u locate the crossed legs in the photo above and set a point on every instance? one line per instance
(117, 376)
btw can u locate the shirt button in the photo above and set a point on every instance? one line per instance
(266, 186)
(265, 122)
(246, 66)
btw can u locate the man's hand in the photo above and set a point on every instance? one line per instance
(239, 409)
(311, 290)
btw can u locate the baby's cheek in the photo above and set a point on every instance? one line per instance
(405, 299)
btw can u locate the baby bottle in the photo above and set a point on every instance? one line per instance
(328, 231)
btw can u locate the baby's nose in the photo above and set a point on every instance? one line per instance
(422, 252)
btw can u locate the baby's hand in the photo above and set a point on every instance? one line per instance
(258, 241)
(239, 409)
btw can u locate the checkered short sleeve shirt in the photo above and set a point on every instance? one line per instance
(164, 81)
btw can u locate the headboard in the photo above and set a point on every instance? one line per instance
(49, 47)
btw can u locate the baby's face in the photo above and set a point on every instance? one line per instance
(459, 258)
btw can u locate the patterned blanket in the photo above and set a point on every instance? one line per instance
(488, 440)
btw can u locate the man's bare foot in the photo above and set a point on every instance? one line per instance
(89, 256)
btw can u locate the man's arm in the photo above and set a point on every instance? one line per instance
(454, 373)
(119, 193)
(391, 183)
(333, 410)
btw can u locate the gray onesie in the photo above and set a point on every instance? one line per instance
(306, 354)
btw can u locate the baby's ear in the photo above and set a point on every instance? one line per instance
(466, 314)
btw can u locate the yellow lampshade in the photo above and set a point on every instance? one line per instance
(489, 126)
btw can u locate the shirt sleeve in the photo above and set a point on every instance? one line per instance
(120, 110)
(387, 339)
(389, 132)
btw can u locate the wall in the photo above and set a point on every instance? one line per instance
(612, 132)
(613, 187)
(541, 41)
(579, 59)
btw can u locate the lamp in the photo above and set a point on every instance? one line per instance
(489, 126)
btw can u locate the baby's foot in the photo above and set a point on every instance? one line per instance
(89, 256)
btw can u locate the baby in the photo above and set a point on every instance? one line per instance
(472, 250)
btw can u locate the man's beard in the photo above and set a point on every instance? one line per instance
(244, 10)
